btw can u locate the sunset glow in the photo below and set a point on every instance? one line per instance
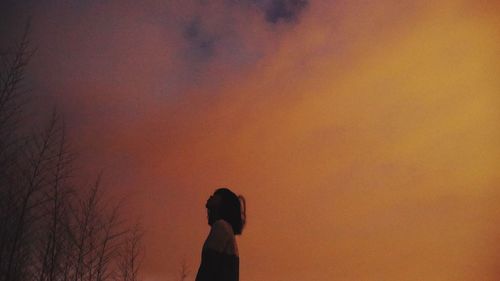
(364, 134)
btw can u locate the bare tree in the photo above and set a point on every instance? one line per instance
(11, 75)
(52, 230)
(130, 256)
(54, 237)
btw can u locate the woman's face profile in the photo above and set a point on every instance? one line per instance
(212, 205)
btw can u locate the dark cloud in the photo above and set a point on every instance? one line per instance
(284, 10)
(201, 42)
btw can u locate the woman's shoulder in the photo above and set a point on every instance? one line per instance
(221, 238)
(221, 231)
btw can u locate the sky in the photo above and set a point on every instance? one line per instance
(364, 134)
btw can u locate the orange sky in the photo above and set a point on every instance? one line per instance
(364, 134)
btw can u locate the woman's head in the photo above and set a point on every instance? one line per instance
(226, 205)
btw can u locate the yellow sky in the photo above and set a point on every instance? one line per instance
(365, 135)
(377, 164)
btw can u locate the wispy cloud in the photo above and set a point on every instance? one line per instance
(284, 10)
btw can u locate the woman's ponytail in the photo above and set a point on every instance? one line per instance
(243, 206)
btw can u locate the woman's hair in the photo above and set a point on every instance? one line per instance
(232, 209)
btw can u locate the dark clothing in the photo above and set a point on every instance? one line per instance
(217, 266)
(219, 257)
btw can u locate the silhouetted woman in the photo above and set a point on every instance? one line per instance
(219, 256)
